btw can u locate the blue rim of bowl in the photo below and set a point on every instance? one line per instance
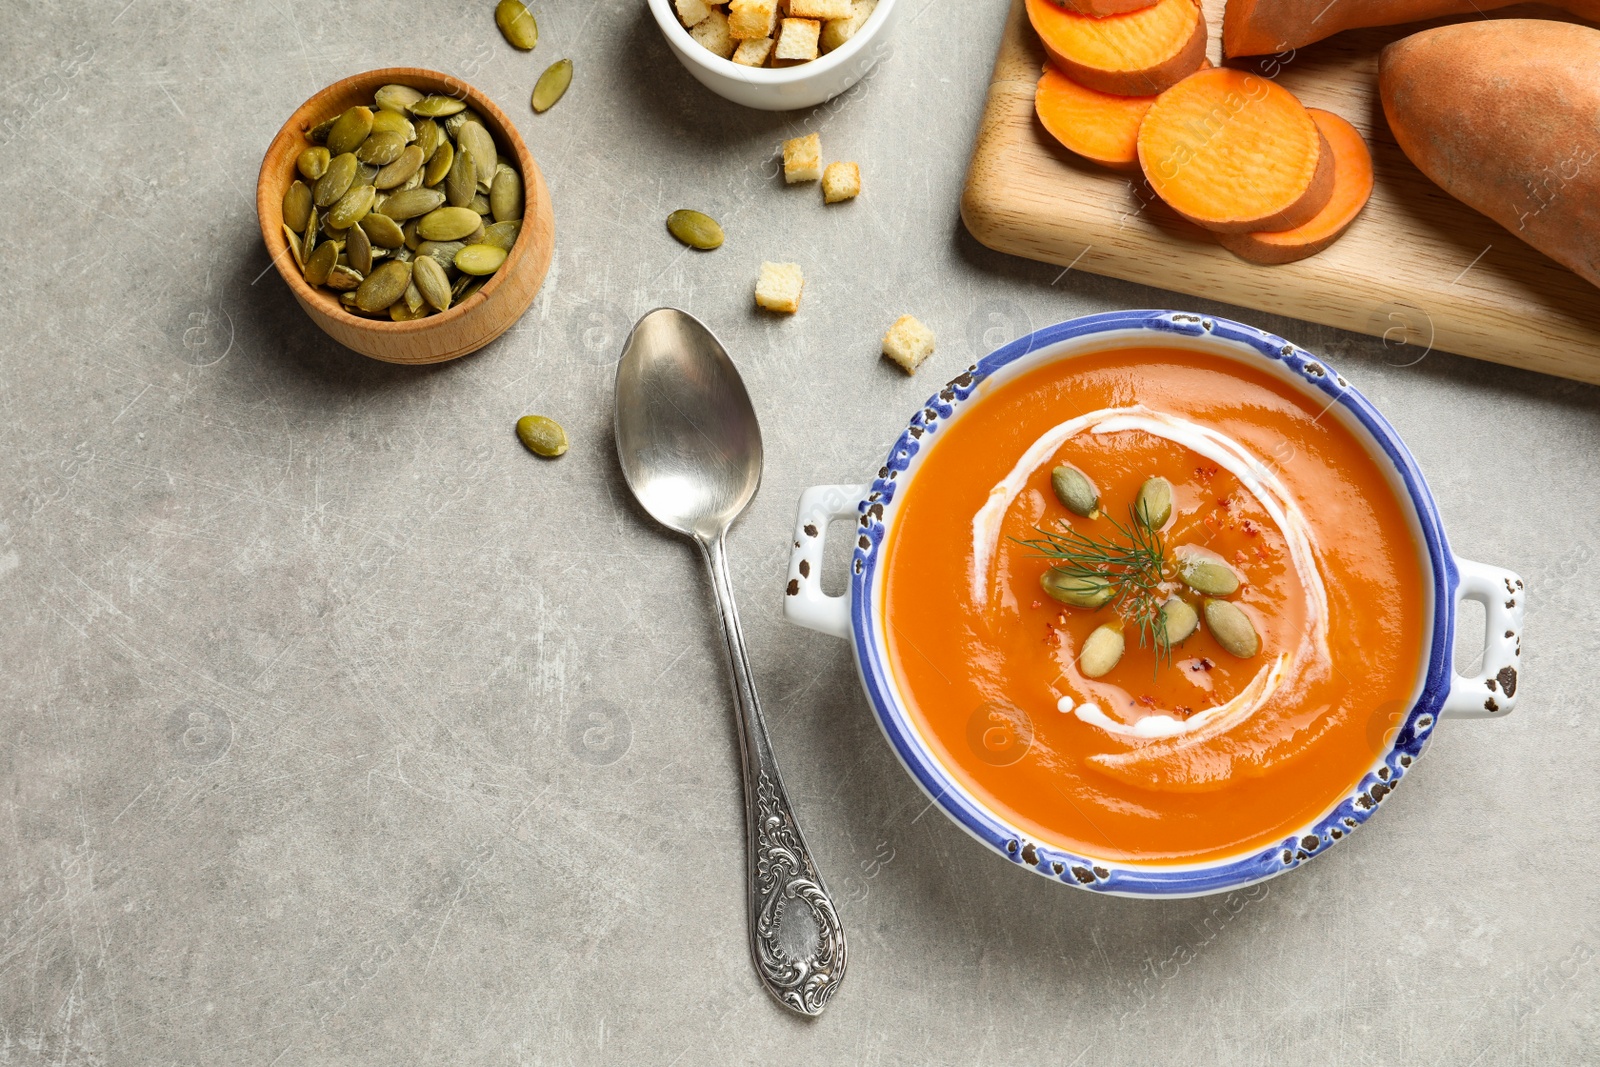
(779, 75)
(1121, 877)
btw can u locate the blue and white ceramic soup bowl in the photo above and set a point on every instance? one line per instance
(1440, 692)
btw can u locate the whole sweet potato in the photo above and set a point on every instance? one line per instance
(1261, 27)
(1505, 116)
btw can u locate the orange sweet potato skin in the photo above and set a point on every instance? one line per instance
(1264, 27)
(1504, 115)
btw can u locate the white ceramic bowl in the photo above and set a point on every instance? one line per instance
(1487, 690)
(781, 88)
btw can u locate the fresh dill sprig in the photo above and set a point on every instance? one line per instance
(1132, 561)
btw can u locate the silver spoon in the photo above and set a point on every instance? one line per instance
(690, 448)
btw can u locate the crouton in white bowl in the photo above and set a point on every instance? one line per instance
(803, 60)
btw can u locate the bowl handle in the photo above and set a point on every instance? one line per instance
(804, 602)
(1492, 691)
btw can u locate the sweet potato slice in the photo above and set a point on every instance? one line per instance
(1097, 126)
(1235, 153)
(1100, 127)
(1501, 114)
(1137, 54)
(1352, 185)
(1262, 27)
(1101, 8)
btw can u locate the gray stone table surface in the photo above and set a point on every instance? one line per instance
(337, 729)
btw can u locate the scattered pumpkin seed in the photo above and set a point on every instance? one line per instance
(397, 98)
(1080, 591)
(505, 194)
(431, 281)
(1179, 620)
(1154, 505)
(399, 311)
(337, 179)
(308, 236)
(1232, 628)
(318, 134)
(365, 173)
(465, 287)
(343, 279)
(321, 262)
(478, 259)
(552, 85)
(358, 246)
(383, 286)
(413, 238)
(383, 230)
(695, 229)
(542, 436)
(433, 107)
(313, 163)
(461, 184)
(516, 24)
(297, 205)
(480, 204)
(1208, 576)
(350, 130)
(448, 224)
(1102, 650)
(394, 174)
(351, 208)
(1075, 491)
(410, 203)
(502, 234)
(394, 122)
(381, 149)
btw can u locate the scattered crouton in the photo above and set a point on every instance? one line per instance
(712, 33)
(751, 20)
(692, 12)
(819, 9)
(908, 343)
(797, 41)
(779, 287)
(836, 32)
(802, 159)
(841, 181)
(753, 53)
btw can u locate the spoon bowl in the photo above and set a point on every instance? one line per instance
(687, 434)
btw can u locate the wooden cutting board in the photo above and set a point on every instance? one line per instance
(1418, 268)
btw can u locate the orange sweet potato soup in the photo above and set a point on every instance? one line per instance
(1228, 717)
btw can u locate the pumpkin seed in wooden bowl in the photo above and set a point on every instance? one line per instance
(383, 168)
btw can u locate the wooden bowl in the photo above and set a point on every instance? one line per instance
(465, 327)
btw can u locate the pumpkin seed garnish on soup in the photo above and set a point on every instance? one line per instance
(1130, 571)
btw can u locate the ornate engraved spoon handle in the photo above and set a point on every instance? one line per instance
(782, 876)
